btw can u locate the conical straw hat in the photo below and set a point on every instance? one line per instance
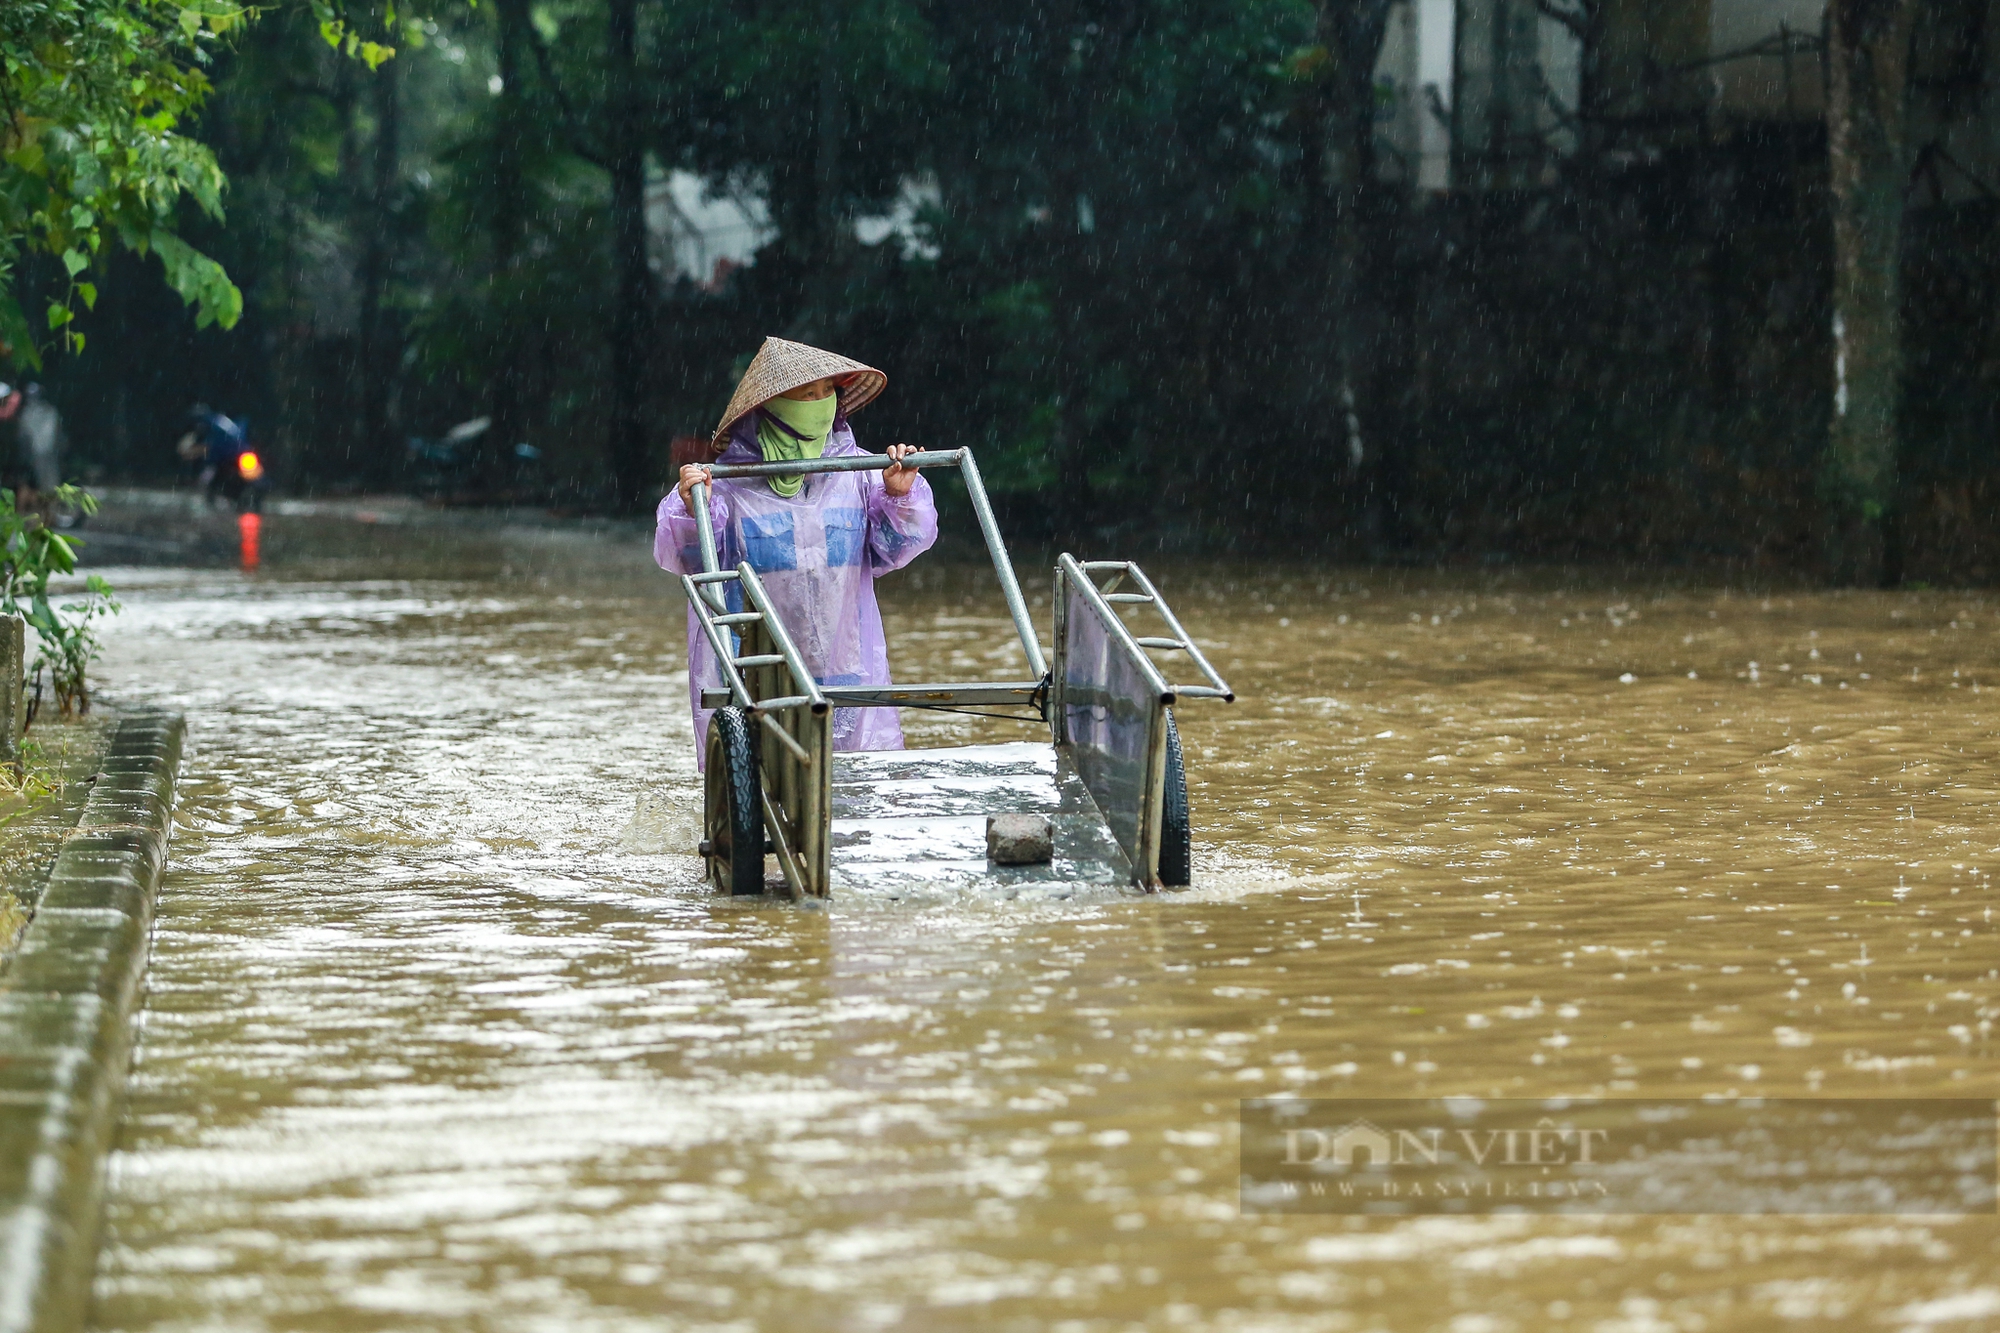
(780, 365)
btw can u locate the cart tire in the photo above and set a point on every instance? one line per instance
(1176, 837)
(733, 817)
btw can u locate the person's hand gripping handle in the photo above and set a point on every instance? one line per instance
(897, 479)
(691, 474)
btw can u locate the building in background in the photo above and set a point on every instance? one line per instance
(704, 235)
(700, 234)
(1764, 59)
(1414, 94)
(1955, 108)
(1515, 94)
(1494, 94)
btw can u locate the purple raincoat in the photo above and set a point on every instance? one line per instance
(818, 554)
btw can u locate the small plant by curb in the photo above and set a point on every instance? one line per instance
(32, 553)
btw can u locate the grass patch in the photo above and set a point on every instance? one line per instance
(39, 804)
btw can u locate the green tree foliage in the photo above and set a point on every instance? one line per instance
(95, 148)
(92, 149)
(1090, 180)
(1112, 179)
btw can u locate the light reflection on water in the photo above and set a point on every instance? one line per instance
(429, 1046)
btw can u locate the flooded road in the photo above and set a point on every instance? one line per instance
(442, 1036)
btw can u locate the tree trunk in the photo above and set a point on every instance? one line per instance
(1868, 56)
(342, 428)
(510, 142)
(823, 289)
(1339, 149)
(376, 359)
(1592, 88)
(632, 307)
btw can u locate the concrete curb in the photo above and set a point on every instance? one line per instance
(66, 1011)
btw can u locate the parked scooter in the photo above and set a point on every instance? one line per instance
(442, 465)
(450, 463)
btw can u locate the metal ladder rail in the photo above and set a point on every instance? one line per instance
(789, 836)
(713, 625)
(732, 665)
(803, 786)
(799, 820)
(1181, 641)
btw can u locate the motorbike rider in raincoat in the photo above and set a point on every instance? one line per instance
(817, 542)
(231, 470)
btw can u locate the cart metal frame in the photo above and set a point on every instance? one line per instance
(1114, 730)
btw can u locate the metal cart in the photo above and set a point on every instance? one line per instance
(1110, 778)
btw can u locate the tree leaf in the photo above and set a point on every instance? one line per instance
(17, 340)
(200, 281)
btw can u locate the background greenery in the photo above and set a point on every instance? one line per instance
(1141, 293)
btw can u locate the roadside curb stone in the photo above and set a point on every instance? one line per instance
(67, 1004)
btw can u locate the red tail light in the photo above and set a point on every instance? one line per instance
(251, 528)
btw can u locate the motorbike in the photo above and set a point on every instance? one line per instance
(450, 463)
(232, 471)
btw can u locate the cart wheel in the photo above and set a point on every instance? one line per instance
(1176, 837)
(734, 823)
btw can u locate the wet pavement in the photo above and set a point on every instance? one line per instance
(445, 1032)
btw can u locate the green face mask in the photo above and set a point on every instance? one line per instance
(811, 420)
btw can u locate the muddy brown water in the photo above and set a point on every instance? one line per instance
(445, 1033)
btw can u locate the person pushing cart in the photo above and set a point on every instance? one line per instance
(818, 542)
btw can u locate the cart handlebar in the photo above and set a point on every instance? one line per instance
(975, 490)
(851, 463)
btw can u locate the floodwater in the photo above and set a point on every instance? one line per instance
(442, 1036)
